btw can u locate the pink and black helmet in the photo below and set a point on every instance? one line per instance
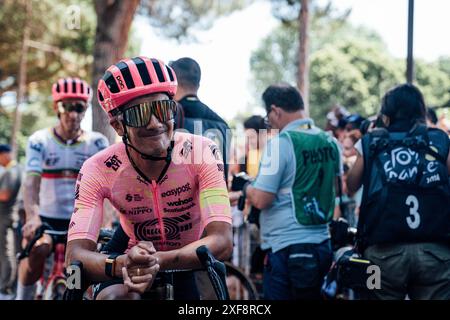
(71, 88)
(132, 78)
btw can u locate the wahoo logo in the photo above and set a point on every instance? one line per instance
(176, 192)
(179, 202)
(119, 79)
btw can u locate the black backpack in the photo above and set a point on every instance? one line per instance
(406, 195)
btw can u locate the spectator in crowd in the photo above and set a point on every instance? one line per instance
(195, 116)
(10, 182)
(404, 221)
(295, 189)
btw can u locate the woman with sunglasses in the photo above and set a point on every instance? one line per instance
(167, 185)
(53, 159)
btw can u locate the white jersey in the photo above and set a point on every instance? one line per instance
(58, 164)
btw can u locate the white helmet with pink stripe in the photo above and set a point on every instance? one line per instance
(71, 88)
(132, 78)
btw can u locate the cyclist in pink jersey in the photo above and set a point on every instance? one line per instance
(168, 186)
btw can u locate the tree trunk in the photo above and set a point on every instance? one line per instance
(22, 80)
(114, 18)
(303, 63)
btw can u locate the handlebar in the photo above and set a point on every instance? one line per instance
(216, 272)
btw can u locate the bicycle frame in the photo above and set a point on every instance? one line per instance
(57, 274)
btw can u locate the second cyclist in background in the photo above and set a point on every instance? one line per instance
(54, 157)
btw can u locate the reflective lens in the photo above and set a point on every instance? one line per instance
(76, 106)
(140, 114)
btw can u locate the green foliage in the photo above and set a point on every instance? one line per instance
(65, 45)
(434, 82)
(178, 18)
(348, 65)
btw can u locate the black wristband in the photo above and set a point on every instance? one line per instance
(110, 264)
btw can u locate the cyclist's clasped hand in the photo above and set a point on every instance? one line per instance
(141, 267)
(30, 227)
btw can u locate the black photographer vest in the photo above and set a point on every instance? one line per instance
(406, 194)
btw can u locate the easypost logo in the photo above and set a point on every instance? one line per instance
(177, 191)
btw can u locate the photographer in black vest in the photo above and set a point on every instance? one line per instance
(404, 223)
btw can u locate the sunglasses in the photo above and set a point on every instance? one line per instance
(139, 115)
(78, 107)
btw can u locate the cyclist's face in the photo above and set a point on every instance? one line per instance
(70, 113)
(349, 149)
(154, 138)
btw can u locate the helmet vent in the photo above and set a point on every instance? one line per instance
(126, 74)
(170, 73)
(111, 82)
(158, 70)
(74, 86)
(143, 72)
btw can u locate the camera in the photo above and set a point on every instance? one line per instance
(374, 122)
(240, 180)
(342, 235)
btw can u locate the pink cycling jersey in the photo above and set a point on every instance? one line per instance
(172, 212)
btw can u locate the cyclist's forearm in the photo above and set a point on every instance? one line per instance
(219, 243)
(93, 262)
(31, 196)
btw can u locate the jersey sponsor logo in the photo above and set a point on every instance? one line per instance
(113, 162)
(402, 165)
(119, 79)
(36, 146)
(181, 209)
(136, 211)
(163, 179)
(215, 151)
(177, 191)
(150, 230)
(77, 191)
(100, 144)
(186, 150)
(52, 160)
(72, 224)
(134, 197)
(179, 202)
(141, 180)
(318, 155)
